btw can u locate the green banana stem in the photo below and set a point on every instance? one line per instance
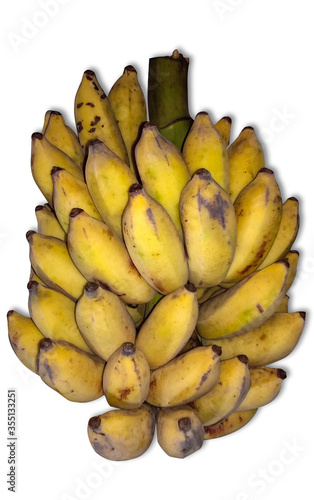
(168, 96)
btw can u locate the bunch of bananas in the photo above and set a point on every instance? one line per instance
(159, 275)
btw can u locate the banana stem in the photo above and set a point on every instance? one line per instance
(168, 96)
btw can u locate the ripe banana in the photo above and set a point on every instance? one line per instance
(191, 343)
(95, 118)
(129, 106)
(162, 170)
(108, 179)
(210, 231)
(47, 222)
(258, 214)
(246, 159)
(103, 320)
(45, 156)
(70, 192)
(54, 314)
(284, 305)
(126, 377)
(169, 326)
(292, 258)
(51, 261)
(228, 425)
(204, 147)
(186, 377)
(24, 338)
(229, 392)
(70, 371)
(153, 242)
(179, 431)
(101, 257)
(224, 128)
(265, 387)
(122, 434)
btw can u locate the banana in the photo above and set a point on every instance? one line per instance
(108, 179)
(70, 371)
(62, 136)
(47, 222)
(246, 159)
(153, 242)
(185, 378)
(204, 147)
(287, 232)
(210, 229)
(70, 192)
(101, 257)
(192, 342)
(162, 170)
(265, 387)
(270, 342)
(51, 261)
(224, 128)
(229, 392)
(95, 118)
(45, 156)
(54, 315)
(228, 425)
(204, 293)
(169, 326)
(137, 313)
(33, 277)
(179, 431)
(126, 377)
(24, 338)
(245, 306)
(129, 106)
(103, 320)
(284, 305)
(292, 258)
(122, 434)
(258, 211)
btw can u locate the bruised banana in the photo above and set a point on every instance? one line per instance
(210, 231)
(224, 128)
(103, 320)
(169, 326)
(265, 387)
(101, 256)
(47, 222)
(70, 371)
(122, 434)
(126, 377)
(245, 306)
(185, 378)
(153, 242)
(179, 431)
(234, 422)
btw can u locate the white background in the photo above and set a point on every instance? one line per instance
(251, 60)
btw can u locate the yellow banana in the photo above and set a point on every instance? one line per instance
(224, 128)
(108, 179)
(54, 314)
(153, 242)
(265, 387)
(70, 371)
(103, 320)
(179, 431)
(210, 230)
(258, 213)
(126, 377)
(45, 156)
(51, 261)
(284, 305)
(137, 313)
(245, 306)
(95, 118)
(192, 342)
(101, 257)
(70, 192)
(47, 222)
(229, 392)
(268, 343)
(122, 434)
(129, 106)
(169, 326)
(246, 159)
(204, 147)
(162, 170)
(34, 277)
(292, 258)
(186, 377)
(62, 136)
(228, 425)
(24, 338)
